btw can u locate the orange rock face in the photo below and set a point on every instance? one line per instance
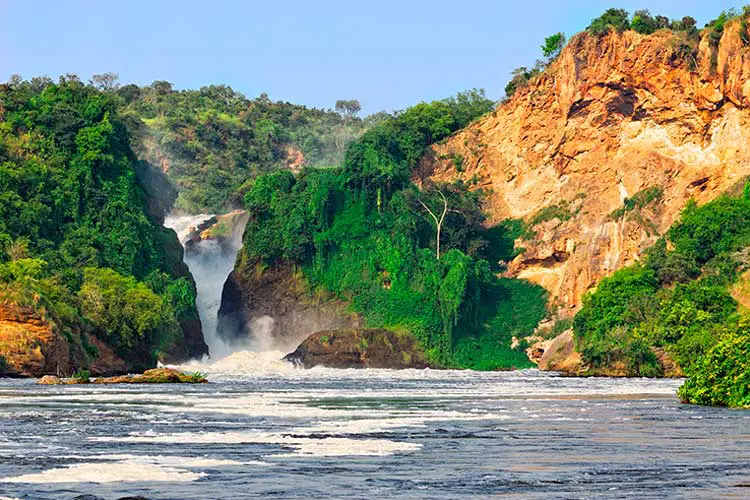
(31, 345)
(28, 343)
(611, 117)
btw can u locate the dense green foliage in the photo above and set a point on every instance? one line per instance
(214, 139)
(553, 44)
(361, 233)
(678, 298)
(642, 22)
(74, 220)
(617, 19)
(722, 376)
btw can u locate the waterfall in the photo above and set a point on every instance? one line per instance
(210, 261)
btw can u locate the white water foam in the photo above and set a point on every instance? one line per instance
(304, 446)
(115, 472)
(115, 468)
(210, 264)
(244, 363)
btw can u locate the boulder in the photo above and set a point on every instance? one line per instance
(359, 348)
(561, 355)
(49, 380)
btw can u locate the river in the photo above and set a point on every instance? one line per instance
(262, 428)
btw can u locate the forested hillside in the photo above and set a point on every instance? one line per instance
(365, 234)
(210, 141)
(80, 249)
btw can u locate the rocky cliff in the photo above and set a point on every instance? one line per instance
(601, 152)
(32, 345)
(273, 308)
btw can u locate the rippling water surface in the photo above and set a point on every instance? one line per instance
(263, 429)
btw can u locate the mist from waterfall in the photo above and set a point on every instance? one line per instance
(210, 263)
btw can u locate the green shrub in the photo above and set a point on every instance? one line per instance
(638, 201)
(560, 211)
(553, 45)
(617, 19)
(127, 314)
(82, 376)
(722, 376)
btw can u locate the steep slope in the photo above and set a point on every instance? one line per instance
(601, 152)
(89, 277)
(357, 246)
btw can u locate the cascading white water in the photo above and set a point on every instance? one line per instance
(210, 263)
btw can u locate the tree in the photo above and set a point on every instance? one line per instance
(687, 24)
(612, 19)
(15, 80)
(105, 81)
(521, 78)
(643, 22)
(18, 249)
(69, 79)
(348, 108)
(553, 45)
(438, 220)
(162, 87)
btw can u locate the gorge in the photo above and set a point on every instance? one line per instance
(205, 295)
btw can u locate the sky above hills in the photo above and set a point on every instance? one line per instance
(388, 54)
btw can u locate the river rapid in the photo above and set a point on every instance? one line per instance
(262, 428)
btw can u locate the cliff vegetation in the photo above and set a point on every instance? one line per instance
(365, 234)
(80, 243)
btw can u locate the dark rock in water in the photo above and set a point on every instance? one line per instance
(225, 229)
(359, 348)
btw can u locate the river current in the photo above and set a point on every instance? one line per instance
(262, 428)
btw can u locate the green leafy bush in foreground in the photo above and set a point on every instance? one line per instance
(362, 233)
(722, 376)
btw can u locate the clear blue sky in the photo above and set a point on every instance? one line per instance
(388, 54)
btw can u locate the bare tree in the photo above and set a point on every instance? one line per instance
(105, 81)
(15, 80)
(438, 220)
(348, 108)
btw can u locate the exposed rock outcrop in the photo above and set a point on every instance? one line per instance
(613, 116)
(273, 306)
(560, 355)
(226, 229)
(153, 376)
(359, 348)
(32, 345)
